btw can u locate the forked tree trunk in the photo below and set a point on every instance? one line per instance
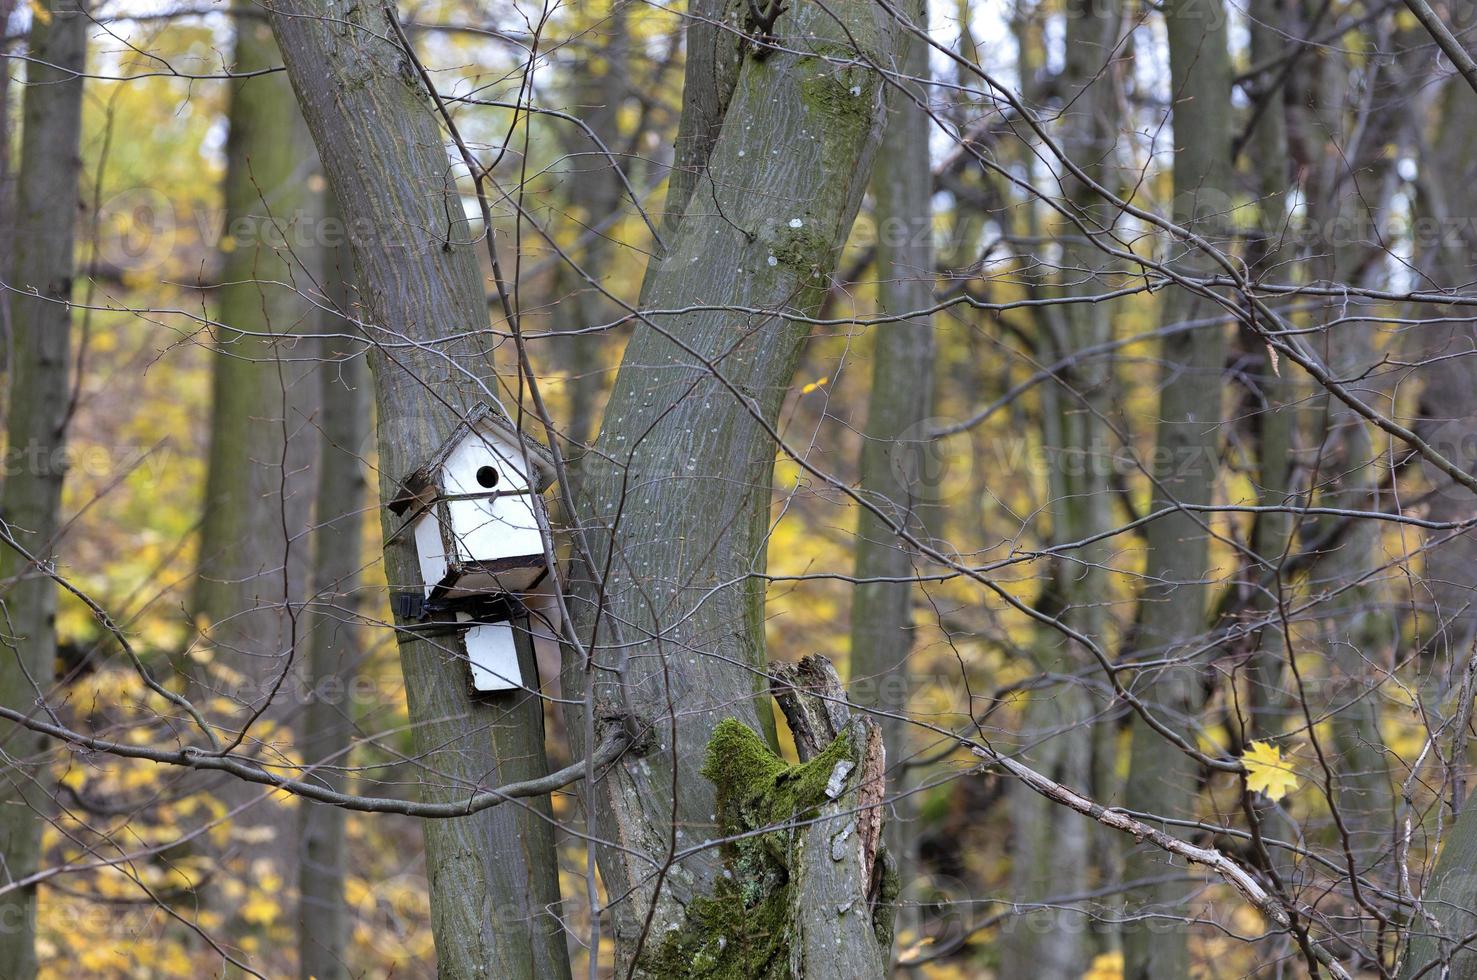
(1162, 779)
(766, 233)
(40, 392)
(493, 874)
(773, 156)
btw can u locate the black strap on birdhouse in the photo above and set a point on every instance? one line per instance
(408, 605)
(494, 608)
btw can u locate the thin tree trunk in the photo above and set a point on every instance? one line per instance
(1273, 404)
(254, 554)
(773, 157)
(901, 399)
(1052, 848)
(494, 874)
(596, 192)
(335, 643)
(1360, 631)
(7, 195)
(48, 197)
(1450, 405)
(1162, 779)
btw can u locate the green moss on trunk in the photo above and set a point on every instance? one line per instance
(743, 930)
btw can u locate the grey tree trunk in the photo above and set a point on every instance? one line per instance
(254, 556)
(1052, 847)
(596, 192)
(493, 875)
(891, 474)
(1360, 631)
(1162, 779)
(1450, 403)
(1274, 400)
(47, 201)
(773, 156)
(1450, 394)
(7, 195)
(336, 641)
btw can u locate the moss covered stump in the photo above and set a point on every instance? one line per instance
(797, 897)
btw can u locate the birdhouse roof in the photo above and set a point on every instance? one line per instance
(487, 420)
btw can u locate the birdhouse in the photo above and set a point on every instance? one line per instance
(475, 508)
(492, 652)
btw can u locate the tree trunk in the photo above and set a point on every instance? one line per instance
(47, 204)
(494, 874)
(1450, 405)
(1052, 846)
(7, 194)
(1360, 631)
(335, 643)
(254, 558)
(1450, 393)
(596, 193)
(773, 156)
(891, 476)
(1272, 408)
(1162, 779)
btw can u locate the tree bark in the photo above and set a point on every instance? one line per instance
(596, 192)
(1450, 403)
(1052, 850)
(7, 195)
(1162, 779)
(773, 157)
(494, 874)
(47, 203)
(1360, 631)
(335, 642)
(901, 398)
(253, 563)
(1273, 399)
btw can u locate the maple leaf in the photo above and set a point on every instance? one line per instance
(1266, 771)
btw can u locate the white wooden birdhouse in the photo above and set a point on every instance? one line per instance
(475, 510)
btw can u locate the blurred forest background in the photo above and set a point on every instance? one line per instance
(1188, 537)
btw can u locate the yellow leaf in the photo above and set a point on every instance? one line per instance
(1266, 772)
(41, 14)
(1107, 966)
(261, 911)
(814, 385)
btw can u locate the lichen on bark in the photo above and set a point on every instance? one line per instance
(745, 929)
